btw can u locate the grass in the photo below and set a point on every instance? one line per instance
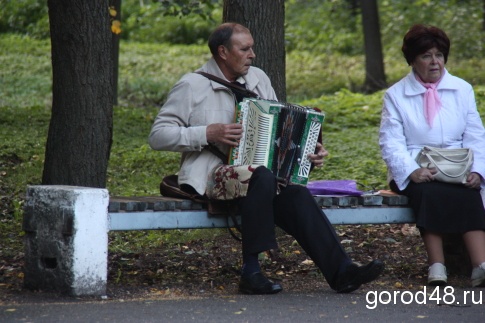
(147, 72)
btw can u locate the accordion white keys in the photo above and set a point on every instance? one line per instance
(278, 136)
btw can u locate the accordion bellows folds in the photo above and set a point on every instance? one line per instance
(279, 136)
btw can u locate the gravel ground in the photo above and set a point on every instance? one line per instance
(209, 267)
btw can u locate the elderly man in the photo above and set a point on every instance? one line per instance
(200, 111)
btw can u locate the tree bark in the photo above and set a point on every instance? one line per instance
(80, 130)
(375, 78)
(115, 43)
(265, 20)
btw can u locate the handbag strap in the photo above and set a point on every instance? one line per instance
(437, 152)
(245, 92)
(430, 158)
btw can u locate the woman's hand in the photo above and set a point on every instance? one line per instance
(317, 157)
(473, 180)
(228, 134)
(422, 175)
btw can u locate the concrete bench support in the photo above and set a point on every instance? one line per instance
(66, 239)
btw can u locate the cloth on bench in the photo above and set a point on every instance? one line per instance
(334, 187)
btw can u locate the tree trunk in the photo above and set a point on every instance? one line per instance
(80, 130)
(115, 43)
(265, 20)
(375, 78)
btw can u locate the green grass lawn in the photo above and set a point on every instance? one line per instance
(147, 72)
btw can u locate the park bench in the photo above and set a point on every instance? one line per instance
(66, 228)
(158, 212)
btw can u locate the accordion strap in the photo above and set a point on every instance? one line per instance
(245, 92)
(213, 149)
(242, 90)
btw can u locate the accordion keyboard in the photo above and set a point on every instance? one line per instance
(278, 136)
(263, 137)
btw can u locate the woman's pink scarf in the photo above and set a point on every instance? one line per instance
(432, 102)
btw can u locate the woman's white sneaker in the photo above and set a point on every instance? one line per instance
(478, 276)
(437, 274)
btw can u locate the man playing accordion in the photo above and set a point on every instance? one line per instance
(200, 112)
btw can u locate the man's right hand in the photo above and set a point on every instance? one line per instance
(228, 134)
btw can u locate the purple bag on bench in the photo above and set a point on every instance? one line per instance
(334, 187)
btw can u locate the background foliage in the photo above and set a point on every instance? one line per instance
(332, 26)
(325, 67)
(320, 35)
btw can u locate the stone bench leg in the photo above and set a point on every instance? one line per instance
(66, 239)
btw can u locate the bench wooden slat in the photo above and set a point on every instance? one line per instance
(161, 203)
(154, 203)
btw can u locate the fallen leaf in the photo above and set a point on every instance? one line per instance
(241, 311)
(409, 230)
(398, 285)
(307, 262)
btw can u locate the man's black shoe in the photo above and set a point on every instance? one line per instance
(355, 275)
(256, 283)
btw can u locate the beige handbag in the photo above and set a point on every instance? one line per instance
(453, 165)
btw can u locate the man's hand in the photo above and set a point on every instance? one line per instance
(317, 157)
(228, 134)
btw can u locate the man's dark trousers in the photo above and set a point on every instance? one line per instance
(295, 211)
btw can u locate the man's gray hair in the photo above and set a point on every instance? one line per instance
(222, 36)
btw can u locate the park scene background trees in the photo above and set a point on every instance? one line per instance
(309, 48)
(85, 75)
(100, 137)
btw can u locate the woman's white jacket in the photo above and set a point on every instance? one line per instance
(404, 131)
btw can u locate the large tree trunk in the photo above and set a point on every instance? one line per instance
(375, 78)
(81, 125)
(115, 44)
(266, 21)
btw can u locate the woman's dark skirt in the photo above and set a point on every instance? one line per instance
(444, 208)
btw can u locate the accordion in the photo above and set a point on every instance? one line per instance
(279, 136)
